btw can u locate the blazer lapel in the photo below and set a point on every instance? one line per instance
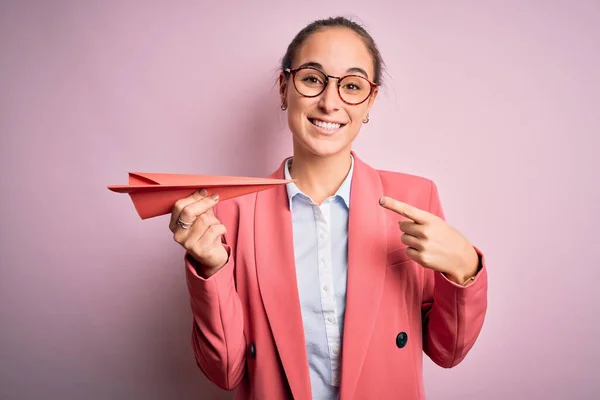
(276, 272)
(367, 254)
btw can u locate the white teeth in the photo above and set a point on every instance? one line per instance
(326, 125)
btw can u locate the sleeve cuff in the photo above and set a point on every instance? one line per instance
(442, 280)
(222, 277)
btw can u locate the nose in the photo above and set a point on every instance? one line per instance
(330, 100)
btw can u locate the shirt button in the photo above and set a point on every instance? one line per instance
(325, 288)
(330, 319)
(336, 351)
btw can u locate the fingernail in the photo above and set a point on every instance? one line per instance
(382, 201)
(202, 192)
(215, 197)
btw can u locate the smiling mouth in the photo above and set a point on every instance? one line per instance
(328, 126)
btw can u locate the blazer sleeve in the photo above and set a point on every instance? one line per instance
(218, 339)
(452, 314)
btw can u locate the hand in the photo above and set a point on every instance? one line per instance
(203, 239)
(433, 243)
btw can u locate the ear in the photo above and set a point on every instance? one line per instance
(283, 85)
(372, 99)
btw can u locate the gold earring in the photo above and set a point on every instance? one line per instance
(366, 120)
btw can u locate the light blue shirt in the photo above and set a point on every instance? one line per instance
(321, 256)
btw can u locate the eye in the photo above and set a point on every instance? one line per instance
(312, 79)
(353, 86)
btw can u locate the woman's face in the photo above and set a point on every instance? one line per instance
(324, 125)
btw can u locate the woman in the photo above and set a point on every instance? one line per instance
(334, 286)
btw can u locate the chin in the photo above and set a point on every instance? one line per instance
(325, 148)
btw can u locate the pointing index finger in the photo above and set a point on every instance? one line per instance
(404, 209)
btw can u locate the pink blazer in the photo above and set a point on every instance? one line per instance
(248, 332)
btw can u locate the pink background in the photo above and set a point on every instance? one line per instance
(497, 101)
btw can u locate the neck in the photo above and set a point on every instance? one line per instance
(320, 177)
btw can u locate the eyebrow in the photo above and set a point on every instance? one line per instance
(349, 70)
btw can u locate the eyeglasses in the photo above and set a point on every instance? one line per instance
(311, 82)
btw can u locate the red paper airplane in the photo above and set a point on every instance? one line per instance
(156, 194)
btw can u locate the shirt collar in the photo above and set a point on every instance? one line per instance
(343, 191)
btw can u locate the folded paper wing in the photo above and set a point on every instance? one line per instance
(156, 194)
